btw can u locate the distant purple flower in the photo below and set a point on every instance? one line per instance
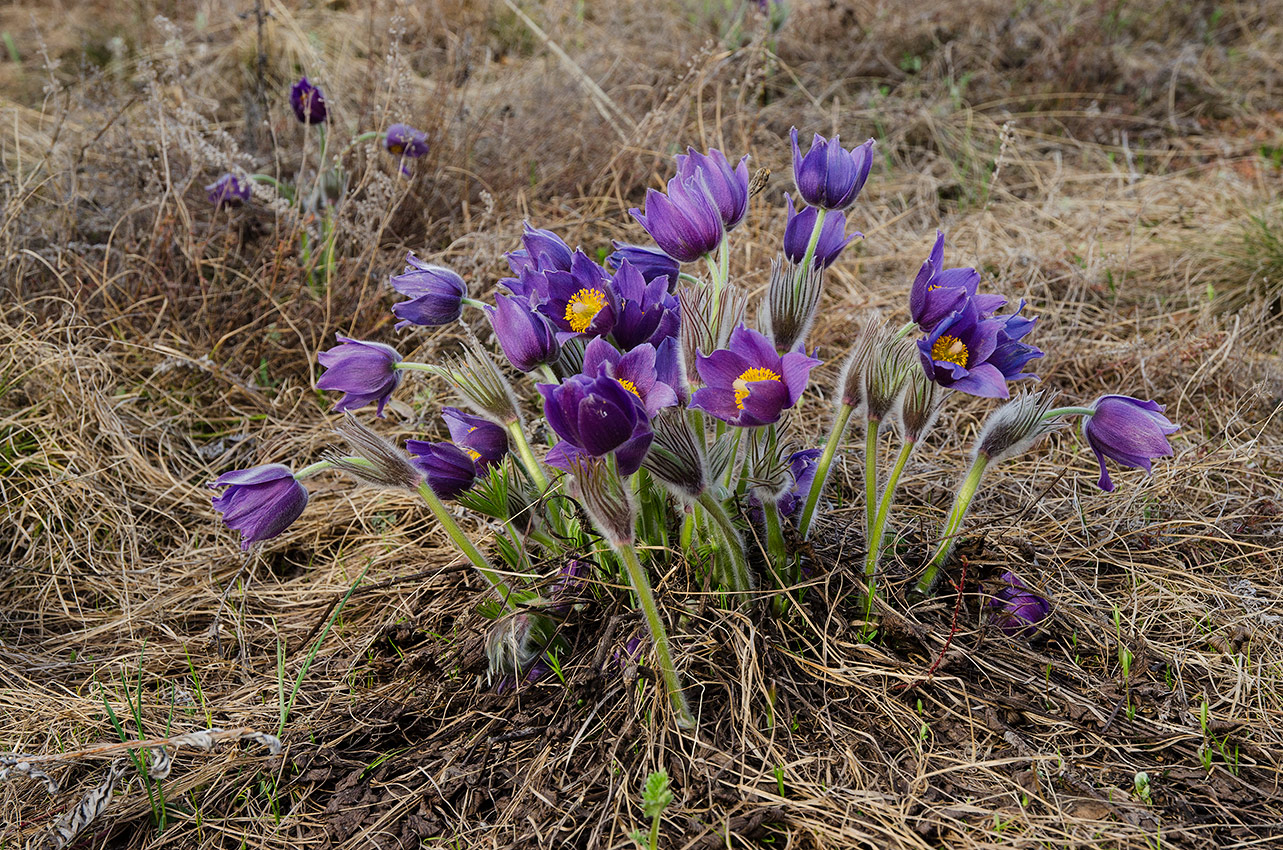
(651, 262)
(728, 186)
(748, 383)
(1128, 431)
(937, 291)
(830, 176)
(1015, 609)
(541, 250)
(365, 371)
(228, 191)
(260, 502)
(1011, 355)
(956, 353)
(308, 102)
(404, 140)
(570, 581)
(483, 441)
(596, 416)
(579, 302)
(647, 312)
(800, 228)
(635, 372)
(527, 338)
(448, 468)
(436, 294)
(685, 223)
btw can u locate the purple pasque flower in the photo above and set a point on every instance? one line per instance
(937, 291)
(308, 102)
(647, 311)
(956, 352)
(228, 191)
(450, 470)
(802, 466)
(728, 186)
(685, 223)
(1011, 355)
(1015, 609)
(830, 176)
(483, 441)
(800, 228)
(404, 140)
(1128, 431)
(527, 338)
(540, 250)
(436, 294)
(635, 371)
(594, 415)
(651, 262)
(365, 371)
(579, 302)
(260, 502)
(748, 383)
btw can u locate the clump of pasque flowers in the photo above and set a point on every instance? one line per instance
(633, 412)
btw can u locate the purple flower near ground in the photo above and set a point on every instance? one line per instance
(802, 465)
(436, 294)
(830, 176)
(635, 371)
(596, 416)
(1015, 609)
(800, 228)
(540, 250)
(651, 262)
(485, 442)
(647, 311)
(728, 186)
(685, 223)
(937, 291)
(365, 371)
(404, 140)
(228, 191)
(1010, 355)
(956, 353)
(449, 469)
(748, 383)
(1128, 431)
(570, 581)
(308, 102)
(260, 502)
(527, 338)
(579, 302)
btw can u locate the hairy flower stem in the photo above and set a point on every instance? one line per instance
(658, 635)
(905, 329)
(412, 366)
(822, 468)
(1068, 411)
(775, 545)
(549, 375)
(961, 504)
(688, 531)
(871, 428)
(319, 466)
(466, 546)
(884, 512)
(741, 579)
(808, 259)
(528, 460)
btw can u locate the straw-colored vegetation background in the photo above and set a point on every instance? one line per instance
(1117, 163)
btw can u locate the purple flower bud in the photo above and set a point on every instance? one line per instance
(448, 468)
(597, 416)
(485, 442)
(227, 191)
(748, 383)
(685, 223)
(1011, 355)
(541, 250)
(404, 140)
(830, 176)
(651, 262)
(802, 466)
(308, 102)
(1128, 431)
(436, 294)
(647, 311)
(1015, 609)
(365, 371)
(937, 291)
(956, 353)
(800, 228)
(728, 186)
(527, 338)
(260, 502)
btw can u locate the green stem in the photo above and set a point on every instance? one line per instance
(742, 578)
(735, 450)
(775, 545)
(411, 366)
(961, 504)
(822, 468)
(1068, 411)
(473, 302)
(528, 459)
(658, 635)
(884, 511)
(654, 832)
(871, 428)
(549, 375)
(905, 329)
(690, 278)
(688, 531)
(309, 471)
(470, 551)
(809, 257)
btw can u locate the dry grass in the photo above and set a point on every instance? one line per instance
(1107, 161)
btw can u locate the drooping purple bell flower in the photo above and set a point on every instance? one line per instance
(404, 140)
(1010, 355)
(937, 291)
(260, 502)
(647, 311)
(728, 186)
(580, 301)
(365, 371)
(308, 102)
(685, 223)
(748, 383)
(1015, 609)
(830, 176)
(540, 250)
(449, 470)
(483, 441)
(956, 353)
(228, 191)
(527, 338)
(1128, 431)
(635, 371)
(802, 466)
(800, 228)
(651, 262)
(436, 294)
(596, 416)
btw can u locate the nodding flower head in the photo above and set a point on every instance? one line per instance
(956, 352)
(727, 185)
(800, 228)
(541, 250)
(404, 140)
(308, 102)
(830, 176)
(647, 311)
(228, 191)
(579, 302)
(651, 262)
(938, 292)
(748, 383)
(527, 338)
(686, 222)
(1015, 609)
(595, 415)
(436, 294)
(260, 502)
(364, 371)
(1127, 431)
(483, 441)
(450, 470)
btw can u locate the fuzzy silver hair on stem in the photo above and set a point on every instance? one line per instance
(374, 460)
(856, 367)
(1014, 428)
(790, 307)
(707, 322)
(516, 641)
(480, 384)
(887, 374)
(607, 499)
(676, 456)
(923, 398)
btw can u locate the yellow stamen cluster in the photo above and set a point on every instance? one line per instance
(740, 384)
(628, 385)
(950, 349)
(396, 149)
(583, 307)
(475, 455)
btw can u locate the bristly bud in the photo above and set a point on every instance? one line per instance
(676, 456)
(922, 401)
(375, 461)
(606, 498)
(1017, 425)
(516, 641)
(707, 323)
(571, 361)
(758, 181)
(790, 304)
(888, 371)
(768, 460)
(855, 369)
(481, 385)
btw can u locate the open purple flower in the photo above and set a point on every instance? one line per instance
(404, 140)
(728, 186)
(1015, 609)
(937, 291)
(685, 223)
(308, 102)
(635, 371)
(748, 383)
(228, 191)
(1128, 431)
(483, 441)
(260, 502)
(651, 262)
(365, 371)
(1011, 355)
(579, 302)
(800, 228)
(596, 416)
(449, 469)
(830, 176)
(647, 311)
(436, 294)
(527, 338)
(956, 353)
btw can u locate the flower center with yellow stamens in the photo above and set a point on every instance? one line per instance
(950, 349)
(472, 453)
(740, 384)
(396, 149)
(628, 385)
(583, 307)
